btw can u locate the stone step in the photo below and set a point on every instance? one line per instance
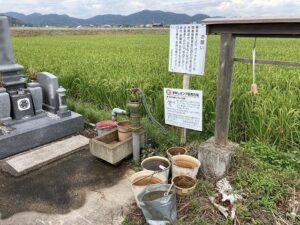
(36, 158)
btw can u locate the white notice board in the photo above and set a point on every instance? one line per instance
(187, 48)
(183, 108)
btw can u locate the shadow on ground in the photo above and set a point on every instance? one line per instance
(57, 188)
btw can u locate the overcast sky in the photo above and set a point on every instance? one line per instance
(89, 8)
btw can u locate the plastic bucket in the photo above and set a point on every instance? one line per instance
(158, 208)
(105, 126)
(154, 163)
(175, 151)
(184, 184)
(140, 180)
(185, 165)
(124, 131)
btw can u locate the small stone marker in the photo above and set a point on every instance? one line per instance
(25, 162)
(49, 84)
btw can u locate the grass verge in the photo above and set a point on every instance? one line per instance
(268, 185)
(264, 172)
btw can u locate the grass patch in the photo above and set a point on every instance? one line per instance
(266, 184)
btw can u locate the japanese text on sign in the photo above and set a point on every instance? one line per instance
(183, 108)
(187, 48)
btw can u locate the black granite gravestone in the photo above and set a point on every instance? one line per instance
(28, 110)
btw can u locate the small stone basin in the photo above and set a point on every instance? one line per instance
(109, 148)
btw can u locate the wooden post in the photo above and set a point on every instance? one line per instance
(186, 85)
(224, 88)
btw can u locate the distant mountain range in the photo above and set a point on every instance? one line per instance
(13, 21)
(143, 17)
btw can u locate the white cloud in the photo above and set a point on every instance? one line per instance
(89, 8)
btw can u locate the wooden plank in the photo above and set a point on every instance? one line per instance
(269, 35)
(247, 20)
(266, 61)
(224, 88)
(264, 29)
(183, 131)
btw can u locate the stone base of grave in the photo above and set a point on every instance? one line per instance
(33, 133)
(215, 159)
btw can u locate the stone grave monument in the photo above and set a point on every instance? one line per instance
(31, 113)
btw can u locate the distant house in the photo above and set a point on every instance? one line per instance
(107, 26)
(148, 25)
(157, 25)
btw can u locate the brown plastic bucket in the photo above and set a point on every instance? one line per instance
(175, 151)
(124, 131)
(184, 184)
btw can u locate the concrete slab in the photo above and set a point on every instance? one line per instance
(77, 190)
(102, 207)
(36, 158)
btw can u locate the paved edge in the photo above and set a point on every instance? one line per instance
(7, 164)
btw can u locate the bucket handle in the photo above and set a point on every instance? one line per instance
(155, 172)
(151, 175)
(167, 193)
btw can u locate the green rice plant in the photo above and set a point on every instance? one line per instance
(101, 70)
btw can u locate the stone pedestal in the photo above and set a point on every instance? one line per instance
(215, 159)
(39, 131)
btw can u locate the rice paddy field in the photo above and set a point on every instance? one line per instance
(100, 70)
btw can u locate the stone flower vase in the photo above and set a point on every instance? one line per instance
(5, 109)
(37, 96)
